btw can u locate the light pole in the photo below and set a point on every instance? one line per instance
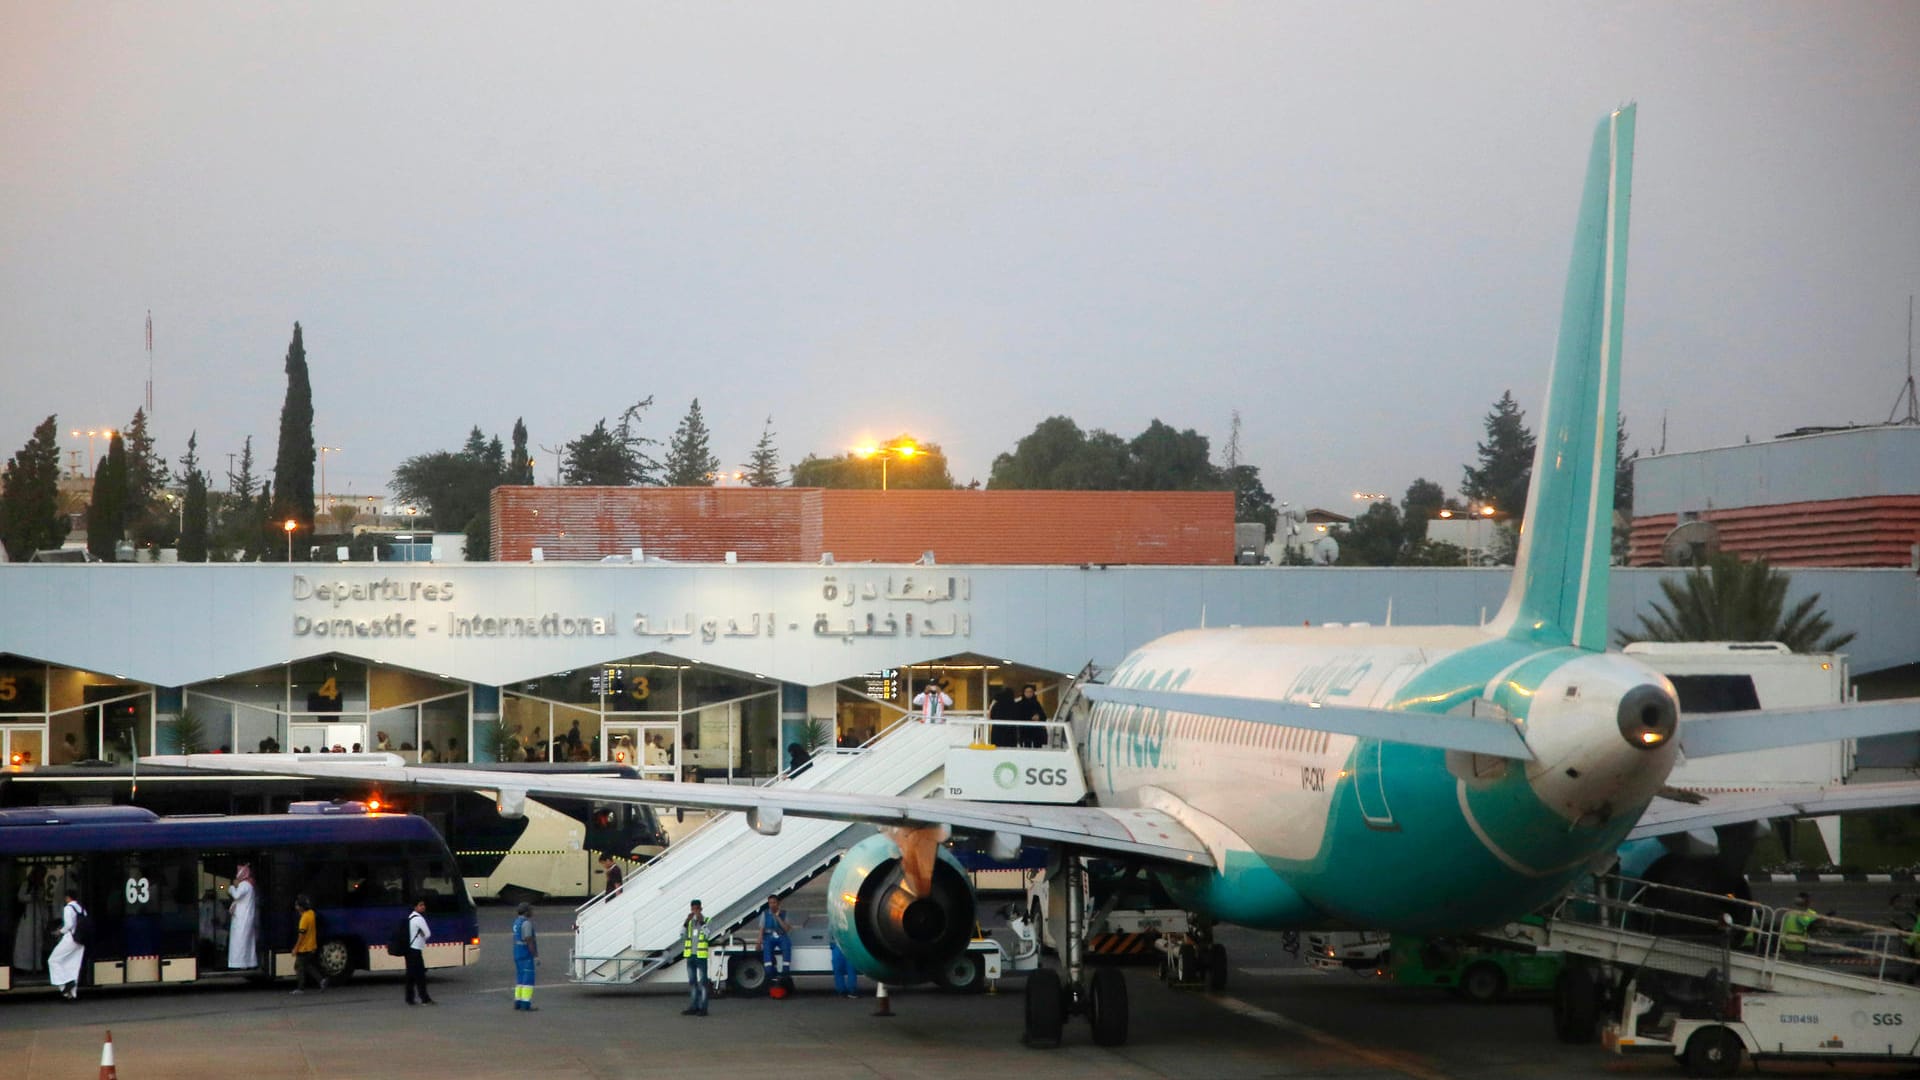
(91, 433)
(289, 526)
(904, 449)
(324, 451)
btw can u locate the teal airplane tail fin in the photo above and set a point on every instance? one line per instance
(1560, 575)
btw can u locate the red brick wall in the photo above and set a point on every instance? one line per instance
(1876, 531)
(1175, 528)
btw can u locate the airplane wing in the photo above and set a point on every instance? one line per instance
(1136, 834)
(1477, 735)
(1711, 734)
(1664, 817)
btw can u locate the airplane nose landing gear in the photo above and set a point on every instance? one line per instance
(1099, 994)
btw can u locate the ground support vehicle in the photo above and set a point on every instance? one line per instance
(1133, 922)
(736, 964)
(1477, 970)
(1770, 1027)
(1363, 952)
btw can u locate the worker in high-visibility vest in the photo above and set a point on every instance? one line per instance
(693, 949)
(1796, 924)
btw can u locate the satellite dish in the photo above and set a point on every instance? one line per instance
(1691, 544)
(1324, 551)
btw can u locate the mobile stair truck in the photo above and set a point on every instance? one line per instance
(1713, 980)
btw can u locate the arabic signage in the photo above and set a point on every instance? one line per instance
(856, 606)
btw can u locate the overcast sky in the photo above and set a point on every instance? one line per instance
(1350, 222)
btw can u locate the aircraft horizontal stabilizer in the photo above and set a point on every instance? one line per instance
(1441, 731)
(1667, 818)
(1711, 734)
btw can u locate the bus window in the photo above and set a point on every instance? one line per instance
(435, 882)
(376, 883)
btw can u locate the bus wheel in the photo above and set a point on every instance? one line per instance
(336, 961)
(1483, 984)
(747, 974)
(1713, 1051)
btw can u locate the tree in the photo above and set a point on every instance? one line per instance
(107, 514)
(479, 533)
(240, 517)
(690, 460)
(520, 468)
(1732, 600)
(293, 463)
(453, 486)
(1058, 456)
(262, 530)
(1423, 502)
(1622, 491)
(924, 469)
(1251, 502)
(763, 465)
(147, 473)
(30, 517)
(1163, 459)
(1374, 538)
(615, 457)
(195, 526)
(1506, 461)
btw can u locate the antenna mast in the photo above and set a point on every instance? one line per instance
(1906, 390)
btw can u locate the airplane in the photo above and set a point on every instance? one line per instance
(1420, 779)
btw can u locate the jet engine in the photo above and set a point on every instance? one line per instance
(892, 928)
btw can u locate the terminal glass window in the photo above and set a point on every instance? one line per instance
(655, 712)
(23, 687)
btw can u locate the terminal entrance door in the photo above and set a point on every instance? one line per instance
(652, 746)
(23, 747)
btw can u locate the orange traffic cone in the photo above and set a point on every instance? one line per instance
(880, 998)
(106, 1060)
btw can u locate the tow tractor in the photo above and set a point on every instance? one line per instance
(736, 964)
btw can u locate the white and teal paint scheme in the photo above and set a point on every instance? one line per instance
(1431, 778)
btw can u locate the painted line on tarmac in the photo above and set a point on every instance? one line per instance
(1332, 1042)
(1281, 972)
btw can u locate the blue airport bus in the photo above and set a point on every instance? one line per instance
(156, 888)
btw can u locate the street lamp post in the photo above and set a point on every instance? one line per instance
(289, 526)
(91, 434)
(901, 450)
(324, 451)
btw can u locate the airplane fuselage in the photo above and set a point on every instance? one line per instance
(1310, 828)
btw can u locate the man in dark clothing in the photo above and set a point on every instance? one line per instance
(614, 876)
(1028, 709)
(1003, 734)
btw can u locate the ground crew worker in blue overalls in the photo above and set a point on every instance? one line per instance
(776, 937)
(1795, 925)
(526, 957)
(693, 950)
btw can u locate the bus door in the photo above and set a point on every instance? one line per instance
(31, 895)
(148, 919)
(213, 910)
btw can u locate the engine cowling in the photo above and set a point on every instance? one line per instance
(888, 933)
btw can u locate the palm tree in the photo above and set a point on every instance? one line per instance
(1731, 600)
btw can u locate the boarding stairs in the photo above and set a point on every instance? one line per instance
(1639, 925)
(731, 868)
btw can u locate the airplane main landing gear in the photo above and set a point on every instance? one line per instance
(1099, 994)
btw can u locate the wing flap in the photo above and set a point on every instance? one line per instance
(1137, 834)
(1475, 735)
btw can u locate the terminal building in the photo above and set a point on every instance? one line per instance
(716, 647)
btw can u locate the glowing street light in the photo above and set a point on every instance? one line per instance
(91, 434)
(902, 450)
(289, 525)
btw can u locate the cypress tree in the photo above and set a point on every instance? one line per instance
(293, 464)
(107, 514)
(195, 526)
(30, 517)
(520, 469)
